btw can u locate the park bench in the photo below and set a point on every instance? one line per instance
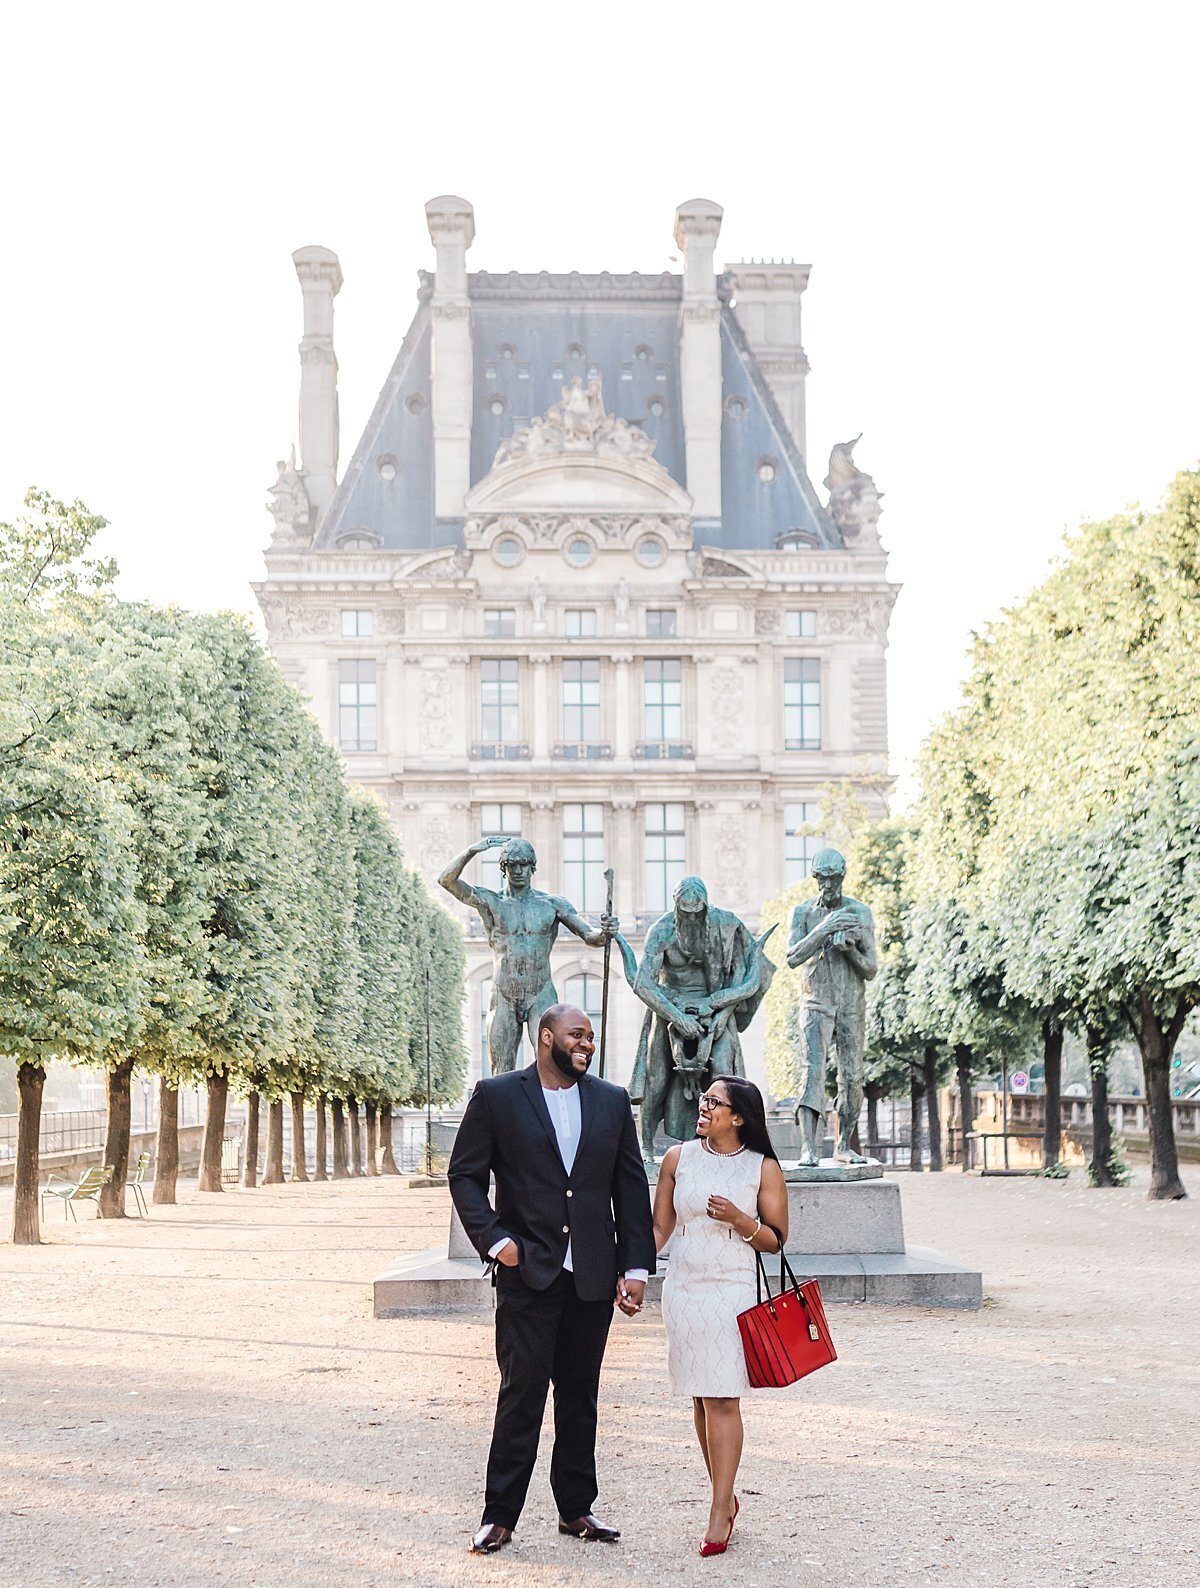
(136, 1180)
(86, 1189)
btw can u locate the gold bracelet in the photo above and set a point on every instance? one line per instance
(753, 1232)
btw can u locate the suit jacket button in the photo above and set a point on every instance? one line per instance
(566, 1229)
(570, 1193)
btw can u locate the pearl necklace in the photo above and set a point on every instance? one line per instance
(716, 1151)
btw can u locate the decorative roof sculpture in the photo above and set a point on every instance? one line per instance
(576, 424)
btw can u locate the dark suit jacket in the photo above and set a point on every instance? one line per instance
(603, 1206)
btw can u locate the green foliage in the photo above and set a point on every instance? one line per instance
(185, 875)
(1055, 1171)
(1120, 1170)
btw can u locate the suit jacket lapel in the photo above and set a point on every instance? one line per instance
(533, 1091)
(587, 1107)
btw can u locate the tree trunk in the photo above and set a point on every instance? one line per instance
(372, 1139)
(872, 1091)
(214, 1134)
(916, 1091)
(341, 1169)
(356, 1152)
(964, 1063)
(1052, 1047)
(321, 1142)
(250, 1154)
(1156, 1046)
(31, 1078)
(299, 1149)
(166, 1145)
(932, 1110)
(1100, 1168)
(111, 1202)
(273, 1166)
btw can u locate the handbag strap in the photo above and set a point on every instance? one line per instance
(762, 1282)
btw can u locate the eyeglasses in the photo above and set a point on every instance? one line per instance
(709, 1100)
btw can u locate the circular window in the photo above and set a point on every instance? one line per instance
(649, 552)
(656, 408)
(496, 407)
(507, 350)
(574, 351)
(387, 467)
(415, 403)
(508, 551)
(766, 469)
(642, 353)
(579, 551)
(735, 407)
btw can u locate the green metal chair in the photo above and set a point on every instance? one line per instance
(136, 1180)
(86, 1189)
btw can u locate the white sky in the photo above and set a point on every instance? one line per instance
(998, 203)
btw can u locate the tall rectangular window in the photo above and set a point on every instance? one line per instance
(586, 992)
(357, 706)
(496, 821)
(660, 623)
(799, 845)
(358, 625)
(581, 702)
(580, 623)
(485, 1002)
(499, 712)
(801, 625)
(662, 698)
(664, 854)
(583, 856)
(499, 622)
(801, 703)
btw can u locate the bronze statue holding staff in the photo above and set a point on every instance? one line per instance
(521, 924)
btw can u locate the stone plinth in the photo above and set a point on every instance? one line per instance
(846, 1233)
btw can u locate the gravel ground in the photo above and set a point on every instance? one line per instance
(203, 1397)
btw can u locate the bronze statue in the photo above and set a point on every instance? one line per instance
(521, 925)
(702, 977)
(833, 939)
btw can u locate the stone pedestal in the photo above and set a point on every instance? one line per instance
(846, 1232)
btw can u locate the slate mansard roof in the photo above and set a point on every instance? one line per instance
(532, 333)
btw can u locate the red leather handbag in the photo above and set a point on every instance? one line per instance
(786, 1336)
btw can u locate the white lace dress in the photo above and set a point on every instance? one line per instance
(710, 1273)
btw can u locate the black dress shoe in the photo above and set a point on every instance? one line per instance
(588, 1527)
(489, 1539)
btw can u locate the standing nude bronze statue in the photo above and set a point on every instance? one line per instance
(702, 978)
(832, 941)
(521, 926)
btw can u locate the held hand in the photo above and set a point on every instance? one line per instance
(689, 1029)
(610, 925)
(629, 1296)
(724, 1211)
(508, 1255)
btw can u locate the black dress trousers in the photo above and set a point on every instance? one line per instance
(545, 1337)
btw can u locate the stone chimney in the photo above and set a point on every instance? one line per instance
(767, 304)
(320, 282)
(452, 230)
(697, 226)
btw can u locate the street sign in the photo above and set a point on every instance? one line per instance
(1020, 1081)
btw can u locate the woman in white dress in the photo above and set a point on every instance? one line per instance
(722, 1197)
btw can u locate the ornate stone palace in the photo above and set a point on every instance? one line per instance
(576, 583)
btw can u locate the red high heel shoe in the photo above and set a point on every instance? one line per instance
(707, 1547)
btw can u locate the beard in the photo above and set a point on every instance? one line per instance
(563, 1061)
(691, 932)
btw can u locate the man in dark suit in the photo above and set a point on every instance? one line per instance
(569, 1236)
